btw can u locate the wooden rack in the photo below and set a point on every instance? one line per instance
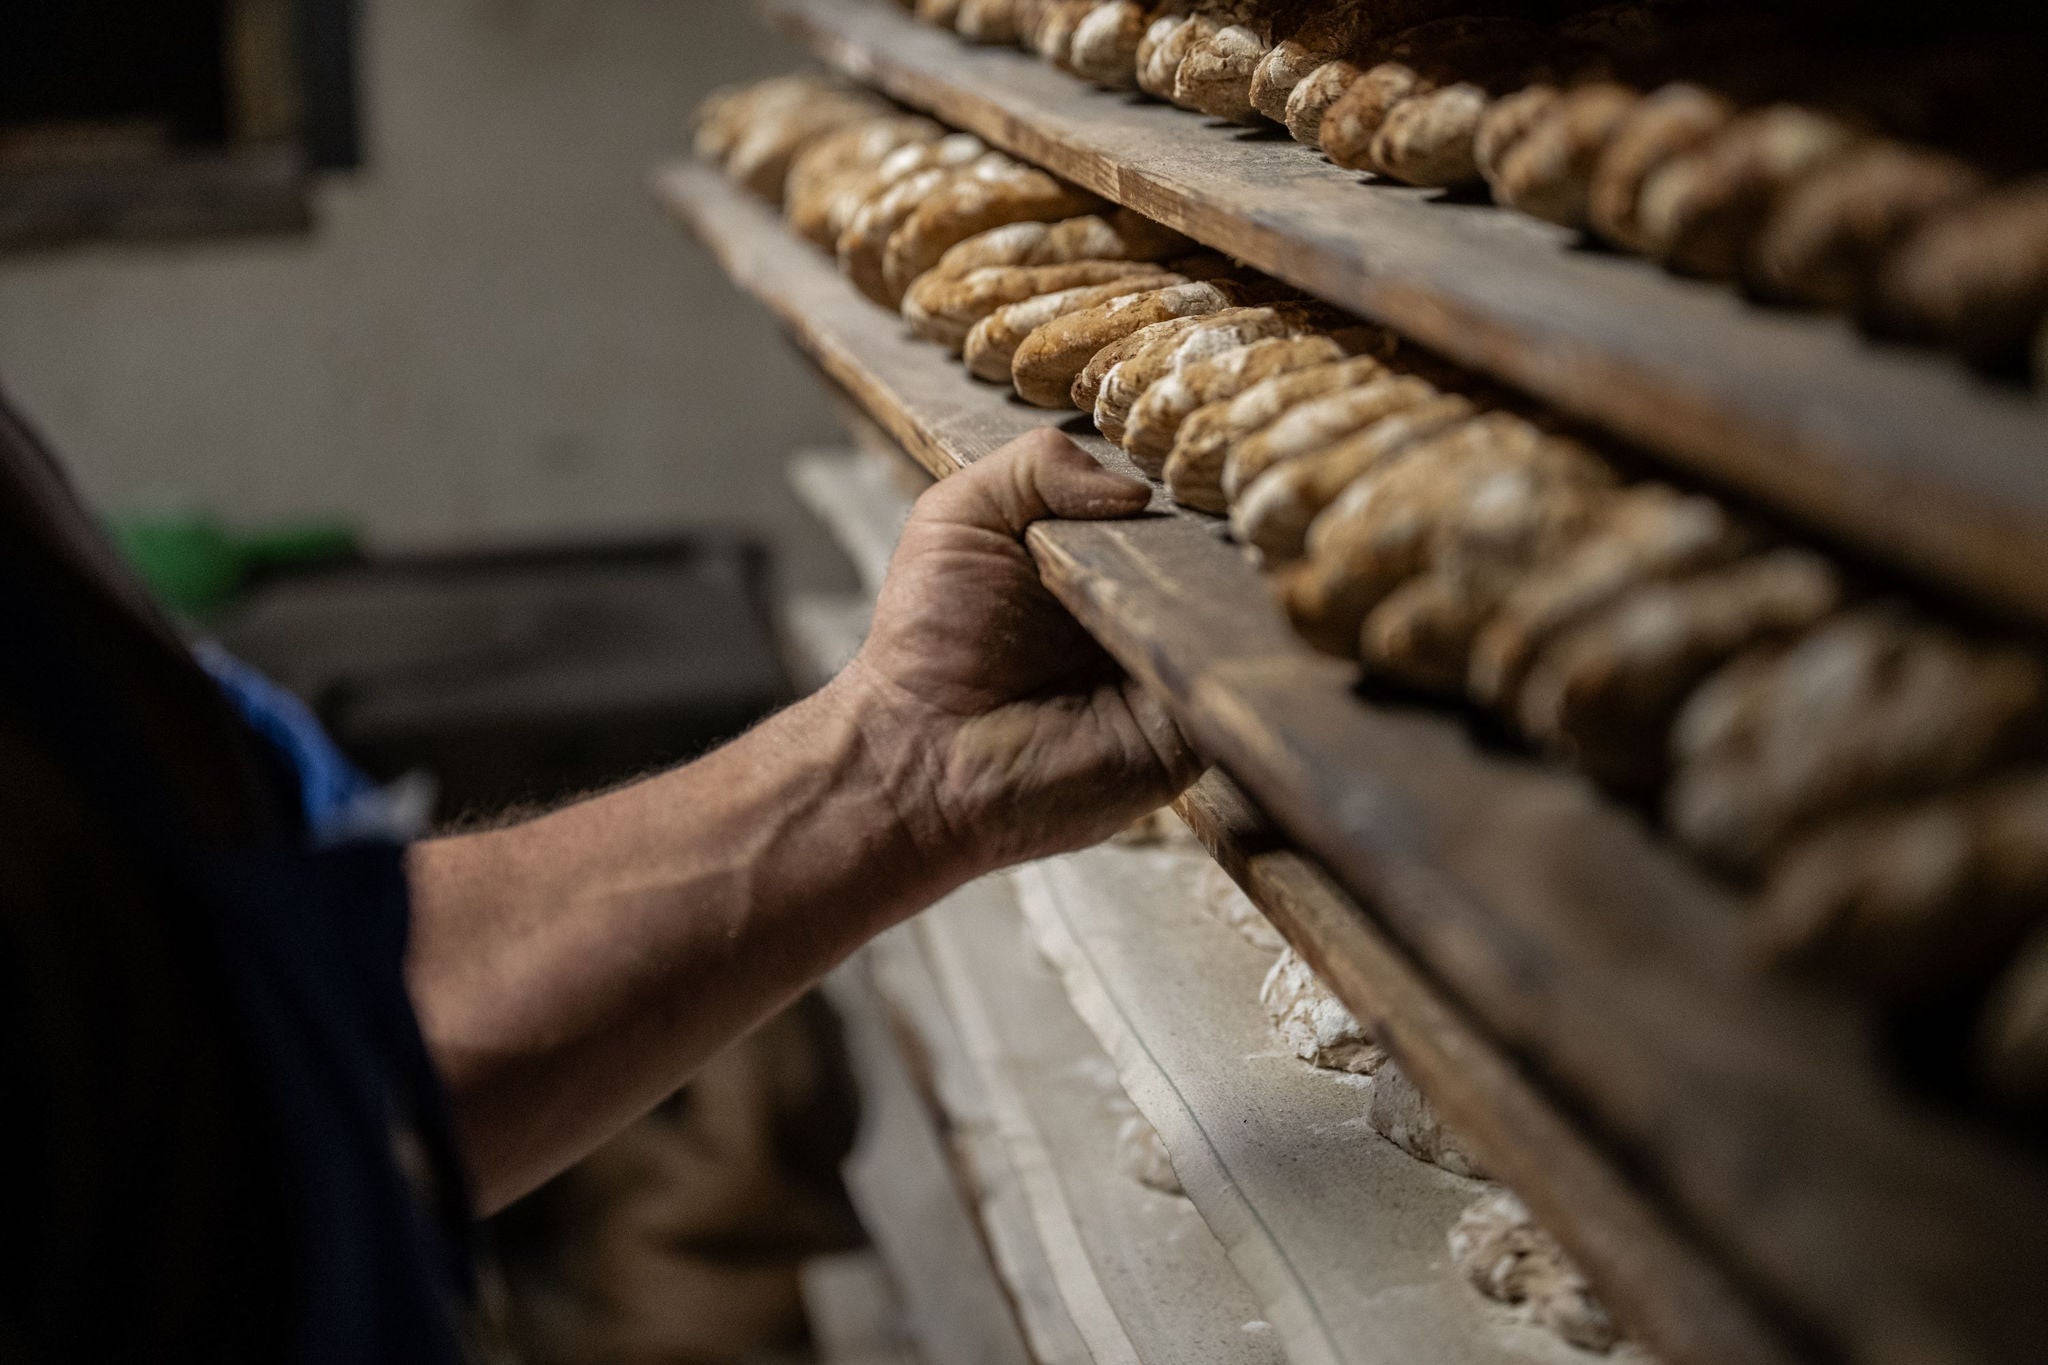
(1748, 1117)
(1900, 454)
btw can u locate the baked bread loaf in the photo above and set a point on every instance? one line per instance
(1131, 378)
(1827, 235)
(972, 205)
(1274, 512)
(1421, 633)
(1167, 39)
(1117, 236)
(1548, 172)
(727, 115)
(1317, 423)
(1668, 122)
(1974, 277)
(761, 158)
(1644, 534)
(1700, 211)
(1215, 77)
(1161, 21)
(1430, 139)
(1387, 525)
(1908, 901)
(1606, 691)
(1506, 122)
(1314, 95)
(987, 21)
(863, 247)
(1087, 385)
(1195, 466)
(1873, 706)
(1157, 417)
(2012, 1035)
(1467, 47)
(826, 218)
(1330, 32)
(1051, 358)
(1105, 44)
(1053, 36)
(991, 348)
(937, 13)
(945, 309)
(837, 161)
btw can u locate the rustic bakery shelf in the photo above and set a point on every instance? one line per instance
(1903, 454)
(1753, 1109)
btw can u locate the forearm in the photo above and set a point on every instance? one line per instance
(571, 971)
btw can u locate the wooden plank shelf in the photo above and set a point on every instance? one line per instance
(1900, 454)
(1753, 1113)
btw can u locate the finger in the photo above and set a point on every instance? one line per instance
(1039, 475)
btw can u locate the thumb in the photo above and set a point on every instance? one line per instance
(1038, 475)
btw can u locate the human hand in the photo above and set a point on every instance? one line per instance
(1013, 734)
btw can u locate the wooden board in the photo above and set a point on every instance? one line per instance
(1139, 1273)
(1752, 1110)
(904, 1182)
(1342, 1233)
(1899, 453)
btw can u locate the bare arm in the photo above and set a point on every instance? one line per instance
(571, 971)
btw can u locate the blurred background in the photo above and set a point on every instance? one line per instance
(355, 320)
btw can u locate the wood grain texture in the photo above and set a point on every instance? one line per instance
(1898, 453)
(1752, 1111)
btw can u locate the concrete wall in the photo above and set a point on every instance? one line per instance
(491, 332)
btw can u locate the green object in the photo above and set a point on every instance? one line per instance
(195, 565)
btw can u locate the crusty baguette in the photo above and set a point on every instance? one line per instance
(1418, 61)
(945, 309)
(1507, 121)
(1548, 172)
(1668, 122)
(988, 21)
(991, 348)
(1053, 36)
(1384, 528)
(1118, 236)
(1827, 235)
(1162, 22)
(1313, 96)
(1912, 901)
(1051, 358)
(1087, 385)
(1195, 466)
(1104, 49)
(1128, 381)
(969, 206)
(1421, 633)
(862, 248)
(1324, 36)
(728, 114)
(1215, 77)
(2012, 1032)
(1275, 511)
(1974, 277)
(855, 149)
(761, 159)
(1646, 533)
(1430, 139)
(1606, 691)
(1157, 417)
(1875, 705)
(826, 218)
(1316, 423)
(1700, 211)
